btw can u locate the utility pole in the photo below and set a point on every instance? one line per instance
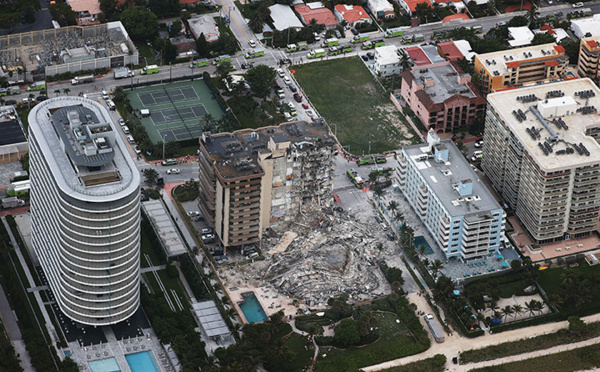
(164, 141)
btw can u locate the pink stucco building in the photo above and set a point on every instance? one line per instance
(442, 96)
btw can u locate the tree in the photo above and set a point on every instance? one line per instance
(261, 78)
(518, 21)
(530, 307)
(445, 285)
(517, 309)
(63, 14)
(544, 38)
(515, 265)
(393, 205)
(436, 266)
(67, 91)
(223, 70)
(109, 8)
(202, 46)
(140, 23)
(394, 274)
(506, 311)
(576, 325)
(567, 277)
(150, 176)
(424, 11)
(346, 333)
(175, 28)
(404, 59)
(56, 92)
(9, 21)
(532, 15)
(119, 94)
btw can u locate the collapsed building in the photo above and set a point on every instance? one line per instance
(253, 180)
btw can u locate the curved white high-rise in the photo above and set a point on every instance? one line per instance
(85, 210)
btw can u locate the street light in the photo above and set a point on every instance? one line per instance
(164, 141)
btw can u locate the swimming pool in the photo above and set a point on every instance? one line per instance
(105, 365)
(142, 362)
(419, 240)
(251, 308)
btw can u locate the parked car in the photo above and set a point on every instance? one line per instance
(10, 102)
(198, 218)
(364, 57)
(137, 150)
(371, 55)
(104, 94)
(305, 106)
(479, 144)
(293, 88)
(310, 113)
(173, 171)
(252, 43)
(354, 31)
(297, 97)
(193, 213)
(287, 80)
(280, 72)
(125, 129)
(501, 23)
(41, 98)
(206, 230)
(578, 5)
(477, 156)
(121, 121)
(130, 139)
(280, 93)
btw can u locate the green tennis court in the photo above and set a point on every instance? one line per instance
(176, 110)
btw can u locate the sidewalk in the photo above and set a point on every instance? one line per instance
(166, 196)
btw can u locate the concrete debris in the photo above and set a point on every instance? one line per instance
(326, 252)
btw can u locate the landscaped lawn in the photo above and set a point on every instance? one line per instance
(146, 52)
(551, 281)
(346, 94)
(433, 364)
(573, 360)
(301, 357)
(395, 341)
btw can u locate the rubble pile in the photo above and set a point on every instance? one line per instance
(331, 252)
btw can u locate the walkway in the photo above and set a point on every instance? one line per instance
(456, 343)
(171, 206)
(152, 268)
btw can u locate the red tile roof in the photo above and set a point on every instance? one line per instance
(551, 63)
(449, 51)
(412, 4)
(418, 56)
(455, 17)
(323, 16)
(352, 13)
(592, 43)
(513, 64)
(559, 48)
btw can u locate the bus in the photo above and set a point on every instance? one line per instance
(355, 178)
(255, 53)
(330, 42)
(361, 38)
(152, 69)
(393, 32)
(38, 85)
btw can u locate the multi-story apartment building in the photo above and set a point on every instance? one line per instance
(542, 155)
(589, 58)
(85, 210)
(458, 210)
(442, 96)
(251, 180)
(513, 67)
(387, 61)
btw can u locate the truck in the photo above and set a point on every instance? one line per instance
(291, 48)
(38, 85)
(302, 45)
(412, 38)
(82, 79)
(355, 178)
(435, 328)
(316, 53)
(12, 202)
(371, 159)
(378, 43)
(393, 32)
(202, 62)
(438, 35)
(221, 58)
(152, 69)
(122, 72)
(253, 53)
(360, 38)
(381, 171)
(346, 48)
(14, 90)
(334, 51)
(330, 42)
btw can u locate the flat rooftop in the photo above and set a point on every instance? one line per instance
(432, 53)
(165, 228)
(236, 154)
(88, 159)
(443, 177)
(10, 126)
(497, 61)
(567, 113)
(441, 82)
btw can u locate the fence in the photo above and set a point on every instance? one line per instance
(93, 64)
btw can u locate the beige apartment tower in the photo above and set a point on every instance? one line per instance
(542, 155)
(251, 180)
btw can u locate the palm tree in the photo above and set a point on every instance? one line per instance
(436, 266)
(493, 306)
(531, 307)
(404, 59)
(56, 92)
(518, 309)
(393, 205)
(67, 91)
(567, 277)
(532, 14)
(506, 311)
(31, 97)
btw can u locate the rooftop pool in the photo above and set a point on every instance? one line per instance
(142, 362)
(251, 308)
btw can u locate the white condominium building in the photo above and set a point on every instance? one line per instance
(542, 155)
(85, 210)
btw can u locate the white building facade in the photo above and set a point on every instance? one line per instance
(85, 210)
(387, 61)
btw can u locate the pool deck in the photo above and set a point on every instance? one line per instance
(118, 349)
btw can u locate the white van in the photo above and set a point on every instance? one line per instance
(111, 104)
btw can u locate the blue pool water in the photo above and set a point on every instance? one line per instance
(252, 310)
(142, 362)
(419, 240)
(105, 365)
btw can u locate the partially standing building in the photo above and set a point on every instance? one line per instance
(85, 210)
(251, 180)
(542, 155)
(589, 58)
(457, 209)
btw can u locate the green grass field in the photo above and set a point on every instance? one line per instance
(347, 96)
(301, 357)
(395, 341)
